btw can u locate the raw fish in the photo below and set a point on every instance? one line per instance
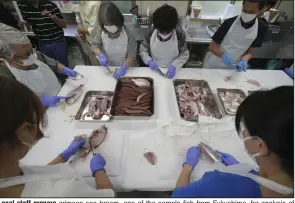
(151, 157)
(74, 95)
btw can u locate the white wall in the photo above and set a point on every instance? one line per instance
(211, 9)
(181, 6)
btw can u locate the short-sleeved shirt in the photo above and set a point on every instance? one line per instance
(262, 29)
(217, 184)
(45, 29)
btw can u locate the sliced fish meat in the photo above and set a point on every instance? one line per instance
(151, 157)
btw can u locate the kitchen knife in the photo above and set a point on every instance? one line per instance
(91, 147)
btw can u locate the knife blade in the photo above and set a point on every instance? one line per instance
(161, 73)
(91, 147)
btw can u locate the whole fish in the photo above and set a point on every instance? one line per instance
(74, 95)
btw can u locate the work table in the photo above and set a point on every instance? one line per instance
(165, 133)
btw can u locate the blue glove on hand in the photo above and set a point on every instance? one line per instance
(227, 159)
(242, 66)
(192, 156)
(72, 149)
(227, 59)
(121, 72)
(171, 71)
(51, 100)
(102, 59)
(69, 72)
(97, 163)
(152, 64)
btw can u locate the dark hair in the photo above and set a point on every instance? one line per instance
(18, 104)
(263, 3)
(165, 18)
(270, 116)
(110, 13)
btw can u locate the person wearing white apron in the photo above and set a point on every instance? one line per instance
(165, 46)
(114, 43)
(86, 17)
(33, 69)
(267, 135)
(232, 42)
(23, 115)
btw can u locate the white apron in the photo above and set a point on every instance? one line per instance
(54, 181)
(115, 49)
(164, 53)
(236, 42)
(42, 81)
(242, 169)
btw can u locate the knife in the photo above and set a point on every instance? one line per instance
(91, 147)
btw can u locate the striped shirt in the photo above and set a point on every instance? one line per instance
(45, 29)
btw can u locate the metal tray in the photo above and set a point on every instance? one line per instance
(117, 89)
(89, 96)
(201, 83)
(237, 91)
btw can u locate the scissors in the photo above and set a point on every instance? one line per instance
(91, 147)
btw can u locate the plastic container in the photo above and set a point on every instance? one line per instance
(196, 10)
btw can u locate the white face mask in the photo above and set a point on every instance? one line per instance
(111, 29)
(165, 36)
(247, 17)
(30, 60)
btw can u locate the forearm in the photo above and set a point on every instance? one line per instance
(247, 55)
(128, 62)
(144, 54)
(60, 67)
(181, 59)
(102, 180)
(96, 51)
(214, 48)
(185, 175)
(59, 159)
(60, 22)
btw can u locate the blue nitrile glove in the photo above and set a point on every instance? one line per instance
(227, 59)
(97, 163)
(192, 156)
(102, 59)
(152, 64)
(69, 72)
(171, 71)
(227, 159)
(121, 72)
(72, 149)
(242, 66)
(51, 100)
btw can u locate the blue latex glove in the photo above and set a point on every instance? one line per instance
(227, 159)
(227, 59)
(97, 163)
(242, 66)
(121, 72)
(102, 59)
(51, 100)
(69, 72)
(152, 64)
(192, 156)
(72, 149)
(171, 71)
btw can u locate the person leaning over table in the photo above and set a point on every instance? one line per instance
(266, 129)
(19, 61)
(165, 45)
(232, 43)
(114, 43)
(19, 131)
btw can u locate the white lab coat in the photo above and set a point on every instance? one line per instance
(54, 181)
(236, 42)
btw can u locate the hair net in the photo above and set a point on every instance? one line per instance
(5, 51)
(12, 35)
